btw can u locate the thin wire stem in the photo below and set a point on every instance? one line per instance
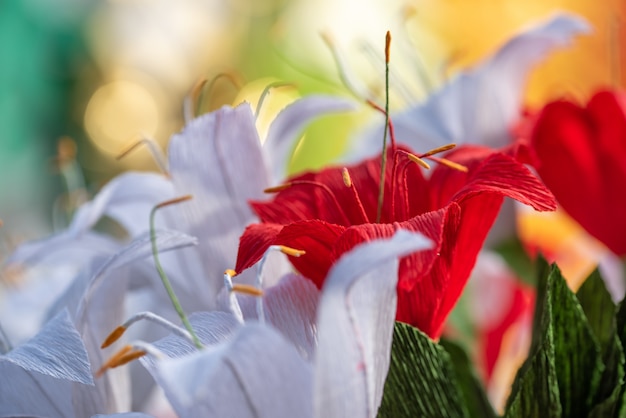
(163, 276)
(383, 168)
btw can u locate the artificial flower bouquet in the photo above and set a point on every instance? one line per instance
(364, 288)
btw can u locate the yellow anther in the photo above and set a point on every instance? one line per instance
(114, 359)
(450, 164)
(437, 150)
(174, 201)
(291, 251)
(277, 189)
(247, 290)
(127, 358)
(387, 46)
(418, 160)
(347, 180)
(230, 272)
(114, 336)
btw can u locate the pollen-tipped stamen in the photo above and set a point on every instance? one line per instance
(381, 192)
(345, 174)
(277, 189)
(164, 279)
(193, 101)
(418, 160)
(234, 307)
(346, 79)
(128, 353)
(147, 316)
(448, 163)
(153, 148)
(266, 92)
(438, 150)
(322, 186)
(347, 180)
(288, 250)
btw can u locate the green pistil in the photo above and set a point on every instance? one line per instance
(381, 192)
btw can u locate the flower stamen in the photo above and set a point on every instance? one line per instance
(449, 164)
(153, 148)
(164, 279)
(148, 316)
(266, 92)
(193, 101)
(322, 186)
(233, 304)
(347, 180)
(129, 353)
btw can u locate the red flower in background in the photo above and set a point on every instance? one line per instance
(580, 153)
(326, 216)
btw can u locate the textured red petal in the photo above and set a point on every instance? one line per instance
(315, 237)
(426, 277)
(581, 154)
(254, 242)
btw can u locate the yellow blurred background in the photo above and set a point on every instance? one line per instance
(131, 64)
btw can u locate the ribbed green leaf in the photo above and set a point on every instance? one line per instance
(421, 380)
(599, 308)
(474, 394)
(535, 392)
(564, 347)
(600, 312)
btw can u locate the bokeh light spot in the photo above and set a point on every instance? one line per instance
(119, 111)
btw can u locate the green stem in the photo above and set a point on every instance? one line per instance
(166, 281)
(383, 168)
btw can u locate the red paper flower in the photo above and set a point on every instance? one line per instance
(326, 214)
(581, 156)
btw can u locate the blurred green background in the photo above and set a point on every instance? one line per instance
(100, 73)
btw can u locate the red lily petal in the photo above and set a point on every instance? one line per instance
(254, 242)
(317, 239)
(497, 173)
(422, 291)
(522, 302)
(581, 153)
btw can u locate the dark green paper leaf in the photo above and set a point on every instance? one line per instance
(600, 312)
(563, 347)
(474, 394)
(421, 380)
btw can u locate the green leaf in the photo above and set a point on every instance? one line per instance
(600, 312)
(421, 380)
(599, 308)
(535, 392)
(476, 399)
(564, 347)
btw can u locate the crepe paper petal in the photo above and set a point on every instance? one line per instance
(241, 378)
(355, 323)
(288, 125)
(480, 105)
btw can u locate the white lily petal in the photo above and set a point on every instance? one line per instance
(36, 377)
(218, 160)
(242, 378)
(56, 351)
(288, 125)
(124, 415)
(211, 328)
(101, 308)
(479, 106)
(355, 326)
(62, 248)
(290, 307)
(128, 199)
(26, 394)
